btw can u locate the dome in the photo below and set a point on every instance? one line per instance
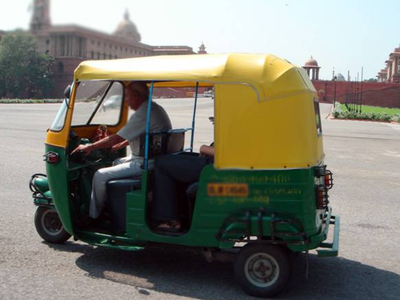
(311, 63)
(127, 29)
(340, 77)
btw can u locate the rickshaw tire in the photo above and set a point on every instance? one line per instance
(49, 227)
(263, 254)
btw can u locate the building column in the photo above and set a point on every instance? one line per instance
(390, 73)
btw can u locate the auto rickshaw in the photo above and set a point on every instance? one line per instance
(265, 196)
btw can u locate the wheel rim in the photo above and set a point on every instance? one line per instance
(262, 270)
(51, 223)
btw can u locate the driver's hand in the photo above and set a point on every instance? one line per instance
(118, 146)
(86, 149)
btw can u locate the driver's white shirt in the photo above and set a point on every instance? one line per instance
(136, 126)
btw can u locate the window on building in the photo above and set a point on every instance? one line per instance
(98, 55)
(62, 46)
(92, 54)
(398, 68)
(60, 67)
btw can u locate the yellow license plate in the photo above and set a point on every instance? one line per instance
(228, 189)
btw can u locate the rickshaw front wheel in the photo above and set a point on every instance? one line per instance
(263, 270)
(49, 226)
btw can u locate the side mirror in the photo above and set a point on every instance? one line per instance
(67, 91)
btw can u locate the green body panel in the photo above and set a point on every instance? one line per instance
(58, 183)
(291, 192)
(282, 194)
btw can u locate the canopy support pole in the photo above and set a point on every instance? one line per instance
(194, 116)
(146, 152)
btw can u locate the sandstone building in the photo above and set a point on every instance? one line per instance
(391, 73)
(72, 44)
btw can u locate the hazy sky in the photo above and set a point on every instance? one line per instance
(340, 34)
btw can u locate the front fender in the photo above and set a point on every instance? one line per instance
(41, 193)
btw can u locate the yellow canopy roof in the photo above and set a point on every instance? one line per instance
(267, 74)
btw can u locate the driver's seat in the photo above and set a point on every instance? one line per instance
(117, 190)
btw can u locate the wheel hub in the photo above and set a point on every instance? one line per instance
(262, 269)
(51, 222)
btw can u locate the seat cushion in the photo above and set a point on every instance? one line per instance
(117, 190)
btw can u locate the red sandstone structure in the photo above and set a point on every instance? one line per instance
(385, 93)
(391, 73)
(72, 44)
(312, 68)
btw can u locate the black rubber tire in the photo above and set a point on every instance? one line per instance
(253, 281)
(49, 226)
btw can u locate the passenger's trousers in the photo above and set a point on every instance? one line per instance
(169, 171)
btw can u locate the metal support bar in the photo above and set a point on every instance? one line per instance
(194, 117)
(259, 223)
(146, 152)
(332, 249)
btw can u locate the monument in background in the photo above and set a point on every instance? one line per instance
(72, 44)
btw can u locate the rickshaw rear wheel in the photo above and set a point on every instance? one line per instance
(263, 270)
(49, 226)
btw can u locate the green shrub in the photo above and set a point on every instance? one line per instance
(338, 113)
(29, 101)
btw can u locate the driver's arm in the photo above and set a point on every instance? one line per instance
(118, 146)
(107, 142)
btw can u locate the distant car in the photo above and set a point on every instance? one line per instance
(208, 94)
(112, 102)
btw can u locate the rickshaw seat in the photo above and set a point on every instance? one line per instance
(117, 190)
(170, 141)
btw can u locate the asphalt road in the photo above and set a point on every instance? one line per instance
(363, 156)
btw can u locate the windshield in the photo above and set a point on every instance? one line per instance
(98, 103)
(59, 120)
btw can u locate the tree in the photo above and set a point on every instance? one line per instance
(23, 70)
(371, 80)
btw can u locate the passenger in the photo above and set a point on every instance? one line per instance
(169, 171)
(137, 94)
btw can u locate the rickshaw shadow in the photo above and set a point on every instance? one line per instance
(70, 246)
(340, 278)
(187, 273)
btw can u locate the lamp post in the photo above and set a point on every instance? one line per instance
(334, 91)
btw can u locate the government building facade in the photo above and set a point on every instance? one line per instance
(72, 44)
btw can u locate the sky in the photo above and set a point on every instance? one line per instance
(342, 35)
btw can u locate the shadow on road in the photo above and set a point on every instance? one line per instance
(187, 273)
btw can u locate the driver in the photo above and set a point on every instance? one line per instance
(136, 94)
